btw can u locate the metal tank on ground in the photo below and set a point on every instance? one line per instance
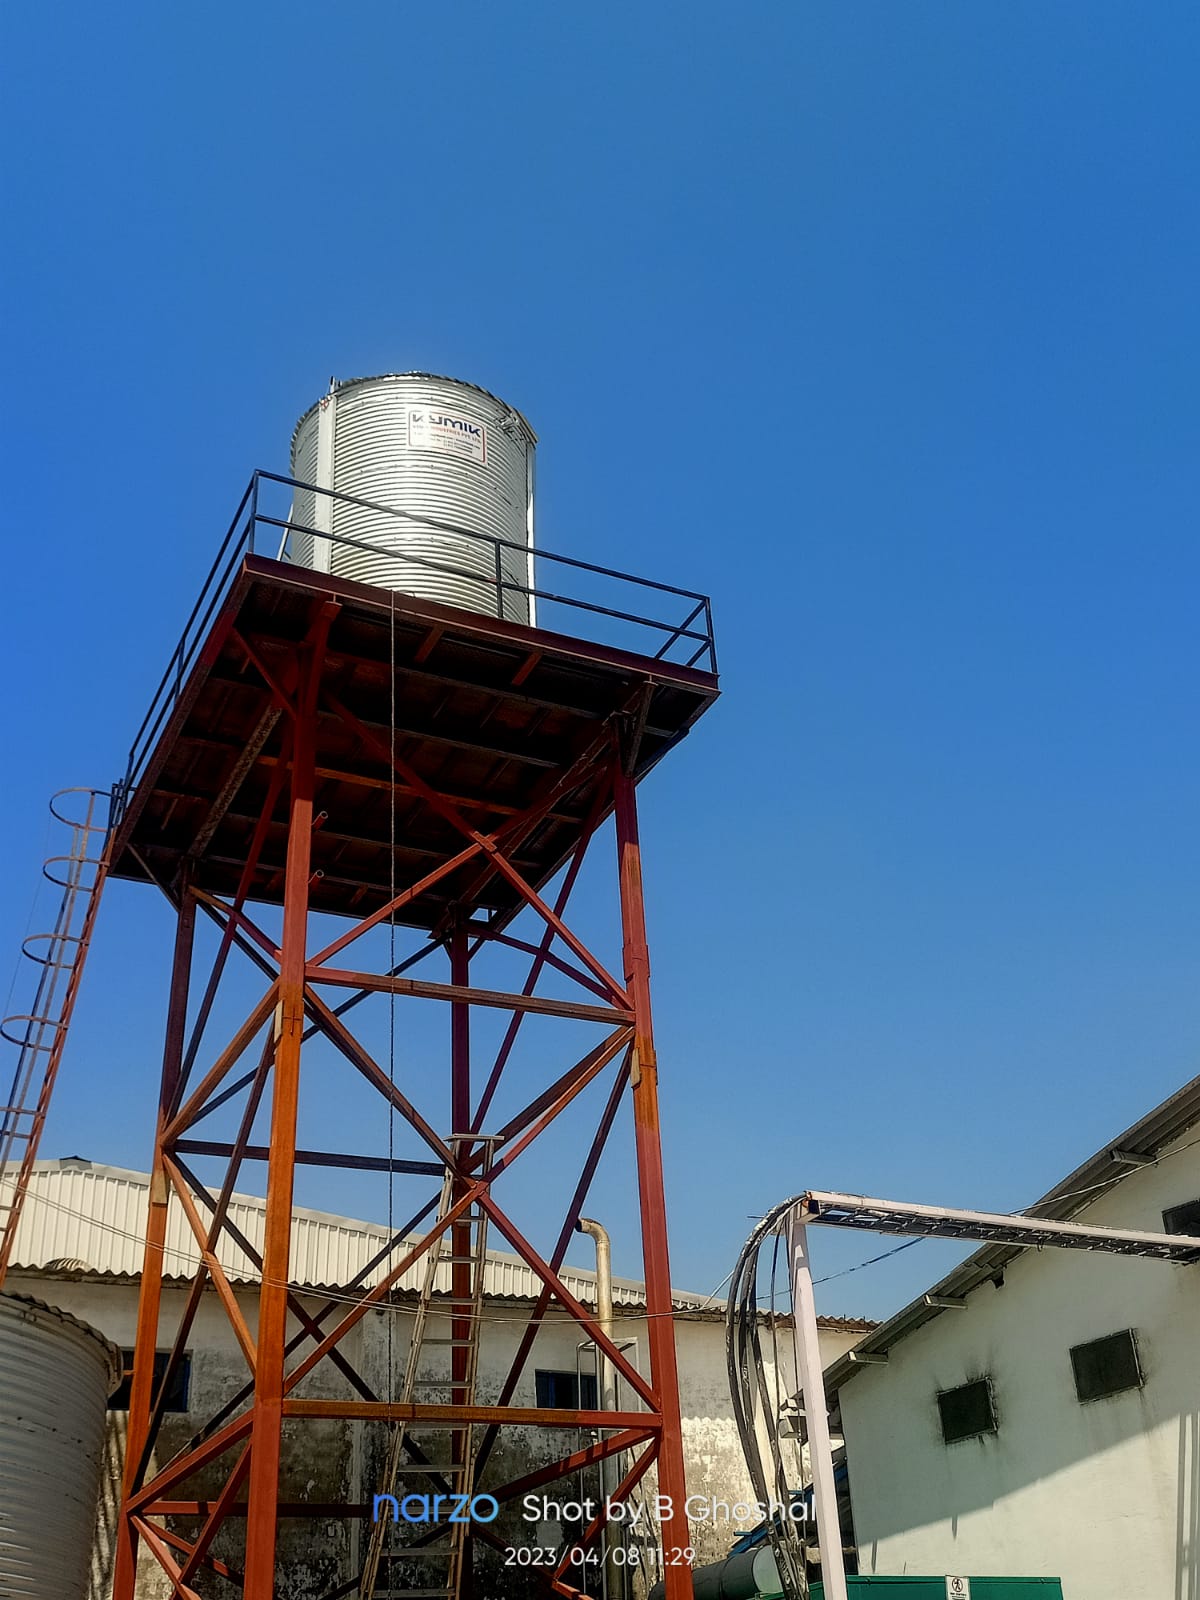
(56, 1375)
(447, 471)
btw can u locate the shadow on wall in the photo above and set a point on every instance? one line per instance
(104, 1544)
(1096, 1470)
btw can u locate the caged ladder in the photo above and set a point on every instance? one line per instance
(467, 1238)
(40, 1034)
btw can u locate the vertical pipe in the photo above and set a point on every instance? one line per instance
(150, 1295)
(604, 1300)
(611, 1574)
(812, 1387)
(265, 1438)
(660, 1325)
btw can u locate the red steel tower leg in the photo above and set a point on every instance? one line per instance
(463, 1233)
(660, 1334)
(290, 1020)
(149, 1301)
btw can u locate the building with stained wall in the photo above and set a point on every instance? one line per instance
(1042, 1416)
(79, 1248)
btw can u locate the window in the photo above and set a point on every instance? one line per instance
(564, 1391)
(1106, 1366)
(177, 1394)
(1183, 1219)
(967, 1411)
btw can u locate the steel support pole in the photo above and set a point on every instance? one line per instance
(812, 1387)
(660, 1335)
(289, 1025)
(141, 1399)
(460, 1122)
(463, 1248)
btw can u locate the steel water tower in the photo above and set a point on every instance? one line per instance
(388, 708)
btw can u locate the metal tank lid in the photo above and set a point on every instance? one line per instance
(338, 384)
(23, 1304)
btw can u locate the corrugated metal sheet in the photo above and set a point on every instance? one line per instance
(437, 451)
(55, 1376)
(96, 1214)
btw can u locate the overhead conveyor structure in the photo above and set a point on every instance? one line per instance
(790, 1221)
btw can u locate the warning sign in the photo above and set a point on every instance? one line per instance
(430, 428)
(958, 1588)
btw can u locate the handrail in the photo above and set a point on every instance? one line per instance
(695, 627)
(474, 533)
(411, 560)
(176, 663)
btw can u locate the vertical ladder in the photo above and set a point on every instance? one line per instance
(459, 1472)
(471, 1232)
(40, 1034)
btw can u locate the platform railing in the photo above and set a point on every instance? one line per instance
(258, 529)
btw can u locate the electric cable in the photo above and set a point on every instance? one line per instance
(327, 1292)
(255, 1279)
(869, 1262)
(750, 1399)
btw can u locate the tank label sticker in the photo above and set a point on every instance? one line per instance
(430, 428)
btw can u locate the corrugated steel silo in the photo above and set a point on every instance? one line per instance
(449, 461)
(56, 1374)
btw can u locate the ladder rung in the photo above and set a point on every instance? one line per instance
(461, 1343)
(424, 1466)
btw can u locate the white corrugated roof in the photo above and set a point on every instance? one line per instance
(88, 1216)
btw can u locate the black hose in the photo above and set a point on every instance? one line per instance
(751, 1399)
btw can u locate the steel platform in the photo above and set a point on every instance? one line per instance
(493, 714)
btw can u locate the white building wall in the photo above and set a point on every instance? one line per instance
(338, 1462)
(1105, 1495)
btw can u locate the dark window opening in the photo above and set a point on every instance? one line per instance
(1106, 1366)
(566, 1391)
(1183, 1219)
(177, 1394)
(967, 1411)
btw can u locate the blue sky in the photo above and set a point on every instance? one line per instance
(878, 323)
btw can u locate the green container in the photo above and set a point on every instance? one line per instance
(935, 1588)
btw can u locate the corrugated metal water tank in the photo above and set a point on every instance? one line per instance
(56, 1374)
(445, 456)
